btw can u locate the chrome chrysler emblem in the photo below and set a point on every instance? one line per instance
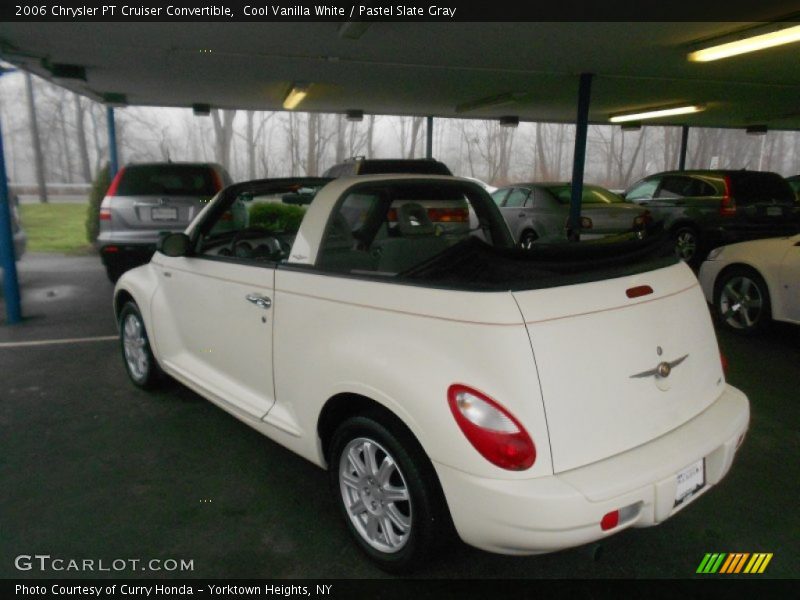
(663, 369)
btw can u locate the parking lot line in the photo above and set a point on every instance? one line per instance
(102, 338)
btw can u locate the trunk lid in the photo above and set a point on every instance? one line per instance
(597, 352)
(613, 218)
(161, 195)
(762, 198)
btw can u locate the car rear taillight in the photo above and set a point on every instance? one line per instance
(643, 220)
(724, 361)
(493, 431)
(110, 249)
(727, 207)
(448, 215)
(112, 189)
(105, 214)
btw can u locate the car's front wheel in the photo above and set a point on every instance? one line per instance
(139, 361)
(387, 492)
(742, 300)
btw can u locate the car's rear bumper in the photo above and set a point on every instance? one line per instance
(126, 256)
(546, 514)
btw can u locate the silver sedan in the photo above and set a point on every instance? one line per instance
(538, 212)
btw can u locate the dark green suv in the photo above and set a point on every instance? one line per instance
(706, 209)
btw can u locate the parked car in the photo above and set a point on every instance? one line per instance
(794, 181)
(444, 379)
(446, 216)
(751, 283)
(706, 209)
(144, 200)
(374, 166)
(538, 212)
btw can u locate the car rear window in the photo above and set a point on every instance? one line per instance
(171, 180)
(591, 195)
(417, 167)
(750, 187)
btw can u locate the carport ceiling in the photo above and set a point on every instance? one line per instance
(421, 68)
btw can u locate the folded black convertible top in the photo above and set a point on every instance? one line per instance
(474, 264)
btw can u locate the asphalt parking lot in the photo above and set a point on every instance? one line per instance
(92, 467)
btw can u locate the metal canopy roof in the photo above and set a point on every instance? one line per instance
(421, 68)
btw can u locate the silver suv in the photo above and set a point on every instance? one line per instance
(147, 199)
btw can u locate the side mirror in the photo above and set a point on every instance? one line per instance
(174, 244)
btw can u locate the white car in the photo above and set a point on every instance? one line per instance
(534, 400)
(752, 282)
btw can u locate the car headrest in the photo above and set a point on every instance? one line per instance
(413, 219)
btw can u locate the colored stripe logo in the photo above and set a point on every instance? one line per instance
(734, 563)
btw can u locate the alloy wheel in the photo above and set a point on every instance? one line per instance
(375, 495)
(741, 302)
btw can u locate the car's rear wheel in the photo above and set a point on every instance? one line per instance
(527, 239)
(742, 300)
(387, 492)
(687, 244)
(139, 361)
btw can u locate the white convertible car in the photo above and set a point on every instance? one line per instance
(752, 282)
(533, 400)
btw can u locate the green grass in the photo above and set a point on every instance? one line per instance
(55, 227)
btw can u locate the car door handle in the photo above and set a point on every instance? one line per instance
(522, 214)
(261, 301)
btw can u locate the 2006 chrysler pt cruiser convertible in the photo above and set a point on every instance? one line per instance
(386, 328)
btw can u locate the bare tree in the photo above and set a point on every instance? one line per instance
(223, 134)
(80, 134)
(38, 157)
(416, 125)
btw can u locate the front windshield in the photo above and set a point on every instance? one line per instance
(390, 227)
(592, 194)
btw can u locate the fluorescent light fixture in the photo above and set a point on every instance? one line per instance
(657, 113)
(355, 115)
(754, 43)
(115, 100)
(489, 101)
(201, 110)
(757, 130)
(296, 95)
(509, 121)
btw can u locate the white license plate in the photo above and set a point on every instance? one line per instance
(774, 211)
(690, 480)
(164, 214)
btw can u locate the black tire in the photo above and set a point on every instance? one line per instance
(144, 372)
(527, 239)
(687, 245)
(741, 301)
(114, 272)
(428, 519)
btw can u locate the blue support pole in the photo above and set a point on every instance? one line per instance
(7, 257)
(579, 157)
(684, 144)
(113, 164)
(429, 139)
